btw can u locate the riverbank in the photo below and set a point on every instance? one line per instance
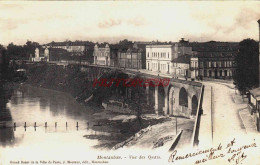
(123, 127)
(71, 81)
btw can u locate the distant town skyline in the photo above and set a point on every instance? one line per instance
(111, 21)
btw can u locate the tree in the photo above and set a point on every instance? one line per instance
(125, 43)
(247, 63)
(15, 52)
(29, 48)
(138, 99)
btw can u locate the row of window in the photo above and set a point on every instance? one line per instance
(181, 65)
(129, 56)
(130, 64)
(219, 73)
(101, 54)
(215, 64)
(194, 64)
(159, 55)
(156, 66)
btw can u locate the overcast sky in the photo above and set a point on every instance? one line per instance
(143, 21)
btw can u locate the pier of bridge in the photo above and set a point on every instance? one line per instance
(178, 98)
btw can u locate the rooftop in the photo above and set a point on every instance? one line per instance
(182, 59)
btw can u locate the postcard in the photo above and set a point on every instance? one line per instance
(129, 82)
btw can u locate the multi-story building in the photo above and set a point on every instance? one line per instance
(194, 67)
(76, 48)
(133, 58)
(159, 58)
(49, 54)
(107, 55)
(83, 49)
(181, 66)
(182, 48)
(40, 55)
(216, 59)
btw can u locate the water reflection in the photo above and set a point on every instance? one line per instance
(6, 133)
(29, 108)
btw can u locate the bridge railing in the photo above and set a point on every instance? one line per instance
(195, 134)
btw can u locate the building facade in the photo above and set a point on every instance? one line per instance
(55, 54)
(49, 54)
(181, 66)
(215, 59)
(78, 50)
(216, 65)
(131, 58)
(106, 55)
(102, 55)
(159, 58)
(39, 55)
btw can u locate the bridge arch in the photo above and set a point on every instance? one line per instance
(183, 100)
(161, 98)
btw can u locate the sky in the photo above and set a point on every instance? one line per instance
(112, 21)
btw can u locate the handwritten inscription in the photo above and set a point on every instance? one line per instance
(232, 153)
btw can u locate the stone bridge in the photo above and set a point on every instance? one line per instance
(178, 98)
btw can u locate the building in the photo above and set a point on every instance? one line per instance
(215, 59)
(194, 67)
(182, 48)
(254, 104)
(76, 48)
(55, 54)
(39, 55)
(133, 58)
(82, 49)
(107, 55)
(159, 58)
(49, 54)
(102, 55)
(181, 66)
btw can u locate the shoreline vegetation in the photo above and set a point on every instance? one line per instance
(72, 81)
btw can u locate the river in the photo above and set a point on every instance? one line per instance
(29, 104)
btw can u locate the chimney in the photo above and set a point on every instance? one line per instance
(259, 53)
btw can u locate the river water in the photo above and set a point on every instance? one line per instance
(30, 105)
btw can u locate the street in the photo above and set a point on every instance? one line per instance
(226, 105)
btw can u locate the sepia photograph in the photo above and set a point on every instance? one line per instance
(129, 82)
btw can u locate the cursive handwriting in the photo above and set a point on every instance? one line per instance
(233, 153)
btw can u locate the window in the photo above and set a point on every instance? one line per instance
(209, 64)
(205, 73)
(201, 64)
(148, 54)
(168, 55)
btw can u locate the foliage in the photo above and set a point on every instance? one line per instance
(138, 100)
(247, 62)
(125, 43)
(18, 52)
